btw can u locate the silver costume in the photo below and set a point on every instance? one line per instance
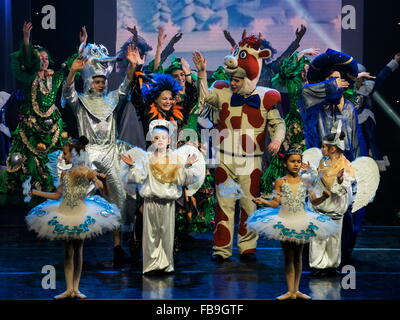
(159, 213)
(96, 117)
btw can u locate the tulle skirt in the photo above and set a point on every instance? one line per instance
(93, 217)
(299, 227)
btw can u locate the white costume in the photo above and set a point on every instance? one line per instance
(292, 222)
(160, 184)
(75, 216)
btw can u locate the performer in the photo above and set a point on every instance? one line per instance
(160, 175)
(187, 98)
(245, 111)
(40, 129)
(96, 112)
(291, 76)
(322, 102)
(160, 98)
(74, 218)
(292, 224)
(270, 69)
(365, 88)
(337, 178)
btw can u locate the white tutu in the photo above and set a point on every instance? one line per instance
(91, 217)
(299, 228)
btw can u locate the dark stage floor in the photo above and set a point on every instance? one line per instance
(376, 261)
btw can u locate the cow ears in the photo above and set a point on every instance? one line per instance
(265, 54)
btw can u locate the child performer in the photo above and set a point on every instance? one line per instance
(292, 224)
(74, 218)
(160, 178)
(337, 177)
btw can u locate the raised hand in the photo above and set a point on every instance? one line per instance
(161, 37)
(199, 61)
(397, 57)
(311, 51)
(365, 75)
(83, 35)
(305, 166)
(274, 147)
(185, 66)
(79, 64)
(300, 33)
(26, 31)
(343, 83)
(127, 159)
(192, 158)
(133, 55)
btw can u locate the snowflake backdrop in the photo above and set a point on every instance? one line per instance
(203, 21)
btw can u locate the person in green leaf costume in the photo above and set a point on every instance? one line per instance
(41, 130)
(292, 76)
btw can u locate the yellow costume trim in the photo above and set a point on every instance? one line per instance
(329, 172)
(165, 169)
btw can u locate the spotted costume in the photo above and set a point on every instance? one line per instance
(243, 120)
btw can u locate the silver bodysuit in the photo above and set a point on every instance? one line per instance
(96, 118)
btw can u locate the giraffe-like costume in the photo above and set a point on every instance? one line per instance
(243, 119)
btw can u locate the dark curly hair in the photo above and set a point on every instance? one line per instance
(160, 83)
(78, 145)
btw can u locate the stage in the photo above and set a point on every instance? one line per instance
(376, 260)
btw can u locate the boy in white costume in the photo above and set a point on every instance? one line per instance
(160, 176)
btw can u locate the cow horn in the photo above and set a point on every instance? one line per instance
(244, 34)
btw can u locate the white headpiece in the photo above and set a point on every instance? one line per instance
(163, 123)
(336, 129)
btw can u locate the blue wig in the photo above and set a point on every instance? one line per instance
(160, 83)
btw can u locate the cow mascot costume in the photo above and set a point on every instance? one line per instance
(244, 111)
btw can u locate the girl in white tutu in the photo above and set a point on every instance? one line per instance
(291, 223)
(74, 217)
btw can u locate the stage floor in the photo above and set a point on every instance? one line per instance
(376, 260)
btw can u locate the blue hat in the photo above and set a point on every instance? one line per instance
(331, 60)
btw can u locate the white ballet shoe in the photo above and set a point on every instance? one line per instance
(79, 295)
(301, 295)
(65, 295)
(286, 296)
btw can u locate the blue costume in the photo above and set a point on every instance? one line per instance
(319, 111)
(366, 116)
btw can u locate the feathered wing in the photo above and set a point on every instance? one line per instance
(313, 156)
(140, 157)
(199, 167)
(367, 175)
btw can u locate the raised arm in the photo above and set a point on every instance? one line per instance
(205, 95)
(160, 43)
(69, 93)
(318, 94)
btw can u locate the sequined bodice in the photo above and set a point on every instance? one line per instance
(293, 203)
(74, 189)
